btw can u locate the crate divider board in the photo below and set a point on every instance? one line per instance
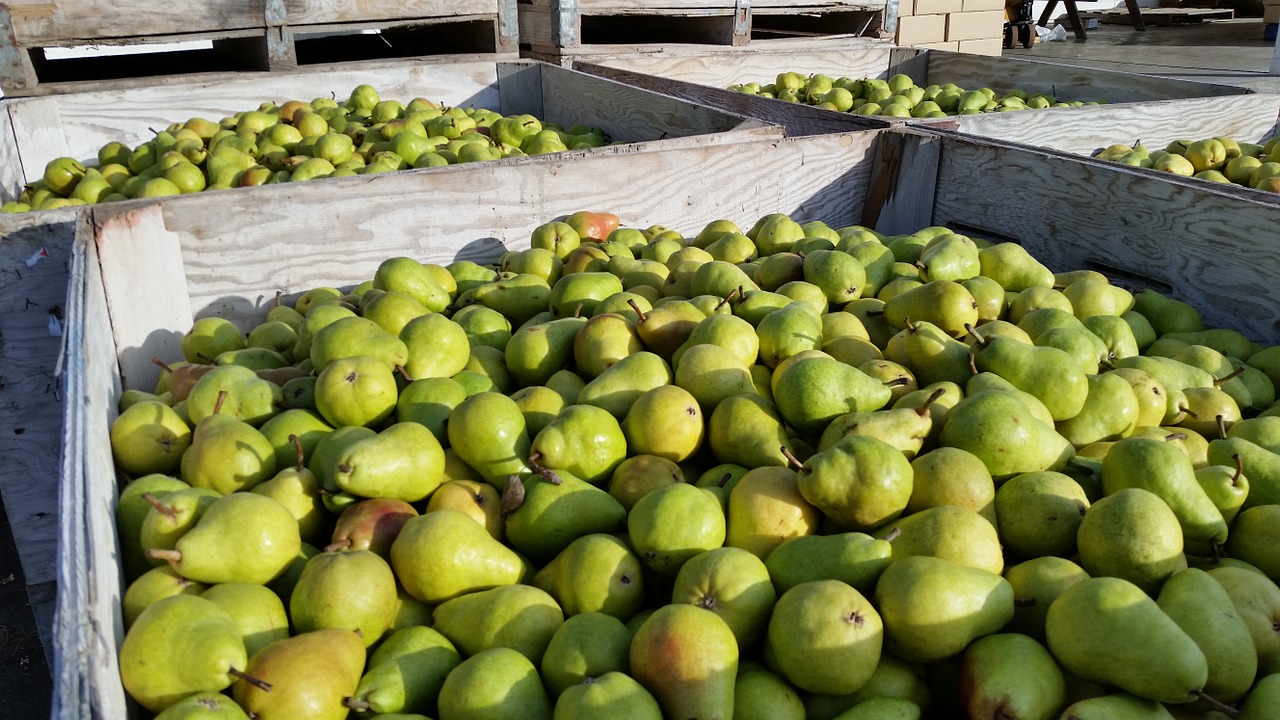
(706, 77)
(245, 35)
(39, 129)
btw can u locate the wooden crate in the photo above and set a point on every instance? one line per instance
(228, 255)
(34, 131)
(244, 35)
(563, 30)
(704, 78)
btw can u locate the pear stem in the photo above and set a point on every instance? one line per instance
(512, 496)
(634, 306)
(793, 461)
(161, 363)
(206, 358)
(924, 409)
(897, 382)
(1235, 479)
(354, 704)
(297, 445)
(1190, 413)
(403, 373)
(217, 405)
(1221, 707)
(167, 555)
(1175, 436)
(337, 545)
(1222, 426)
(724, 480)
(973, 364)
(1216, 549)
(257, 682)
(278, 294)
(728, 297)
(1229, 376)
(911, 327)
(160, 507)
(892, 535)
(976, 335)
(577, 311)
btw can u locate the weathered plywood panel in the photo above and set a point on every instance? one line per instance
(55, 21)
(750, 64)
(315, 12)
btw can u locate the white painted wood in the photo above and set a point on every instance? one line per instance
(12, 175)
(37, 125)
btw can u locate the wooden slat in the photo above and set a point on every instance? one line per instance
(520, 89)
(37, 123)
(1211, 246)
(52, 21)
(316, 12)
(751, 64)
(12, 174)
(1251, 118)
(903, 182)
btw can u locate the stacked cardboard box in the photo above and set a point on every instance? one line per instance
(1271, 11)
(970, 26)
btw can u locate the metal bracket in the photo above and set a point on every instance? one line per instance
(279, 36)
(741, 22)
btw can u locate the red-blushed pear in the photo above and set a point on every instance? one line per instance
(687, 657)
(308, 675)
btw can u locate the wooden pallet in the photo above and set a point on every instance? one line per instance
(561, 30)
(241, 35)
(1164, 17)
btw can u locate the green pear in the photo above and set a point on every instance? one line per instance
(1253, 539)
(1204, 611)
(496, 684)
(1148, 391)
(227, 455)
(437, 347)
(257, 611)
(1226, 486)
(1110, 412)
(859, 483)
(639, 475)
(673, 524)
(204, 706)
(711, 373)
(242, 537)
(951, 476)
(132, 508)
(956, 534)
(585, 646)
(618, 387)
(519, 617)
(765, 509)
(358, 390)
(882, 708)
(149, 437)
(595, 574)
(949, 257)
(405, 673)
(167, 522)
(943, 303)
(1013, 267)
(178, 647)
(727, 331)
(1257, 601)
(666, 421)
(668, 325)
(152, 586)
(746, 430)
(430, 402)
(209, 337)
(688, 658)
(483, 326)
(584, 440)
(1039, 514)
(933, 608)
(411, 277)
(555, 512)
(518, 298)
(1045, 372)
(356, 336)
(391, 310)
(1162, 469)
(306, 425)
(855, 559)
(996, 427)
(488, 432)
(761, 695)
(323, 596)
(733, 584)
(1148, 654)
(813, 392)
(1260, 465)
(905, 428)
(1011, 675)
(604, 340)
(248, 397)
(825, 637)
(535, 352)
(934, 355)
(445, 553)
(1036, 584)
(1117, 706)
(840, 276)
(613, 694)
(1131, 534)
(1262, 700)
(404, 462)
(539, 405)
(308, 675)
(788, 331)
(577, 294)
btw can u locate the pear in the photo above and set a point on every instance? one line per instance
(746, 430)
(405, 673)
(535, 352)
(765, 509)
(555, 512)
(951, 533)
(905, 428)
(639, 475)
(585, 646)
(671, 525)
(840, 276)
(761, 695)
(1226, 486)
(443, 554)
(733, 584)
(788, 331)
(1048, 373)
(204, 706)
(1110, 412)
(1131, 534)
(306, 425)
(943, 303)
(132, 509)
(668, 326)
(404, 462)
(949, 257)
(297, 488)
(1011, 675)
(411, 277)
(688, 658)
(1148, 391)
(1036, 584)
(437, 347)
(613, 694)
(227, 454)
(307, 675)
(499, 684)
(617, 388)
(178, 647)
(859, 483)
(1117, 706)
(595, 574)
(951, 476)
(149, 437)
(371, 524)
(1146, 653)
(323, 597)
(1160, 468)
(730, 332)
(996, 427)
(855, 559)
(242, 537)
(152, 586)
(358, 390)
(1253, 539)
(933, 608)
(711, 373)
(1204, 611)
(935, 355)
(577, 294)
(1013, 267)
(519, 617)
(1263, 699)
(209, 337)
(356, 336)
(813, 392)
(1257, 601)
(489, 433)
(665, 421)
(257, 611)
(584, 440)
(1040, 514)
(882, 708)
(825, 637)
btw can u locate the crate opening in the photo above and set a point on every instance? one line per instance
(55, 64)
(466, 36)
(646, 29)
(861, 23)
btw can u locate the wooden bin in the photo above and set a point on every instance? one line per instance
(34, 131)
(244, 35)
(228, 254)
(561, 31)
(705, 77)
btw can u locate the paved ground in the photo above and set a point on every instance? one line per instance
(25, 685)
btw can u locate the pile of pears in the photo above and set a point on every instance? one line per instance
(1219, 159)
(295, 140)
(898, 96)
(792, 472)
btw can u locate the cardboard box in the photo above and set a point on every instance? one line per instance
(978, 5)
(907, 8)
(1271, 13)
(953, 47)
(922, 29)
(938, 7)
(989, 46)
(975, 25)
